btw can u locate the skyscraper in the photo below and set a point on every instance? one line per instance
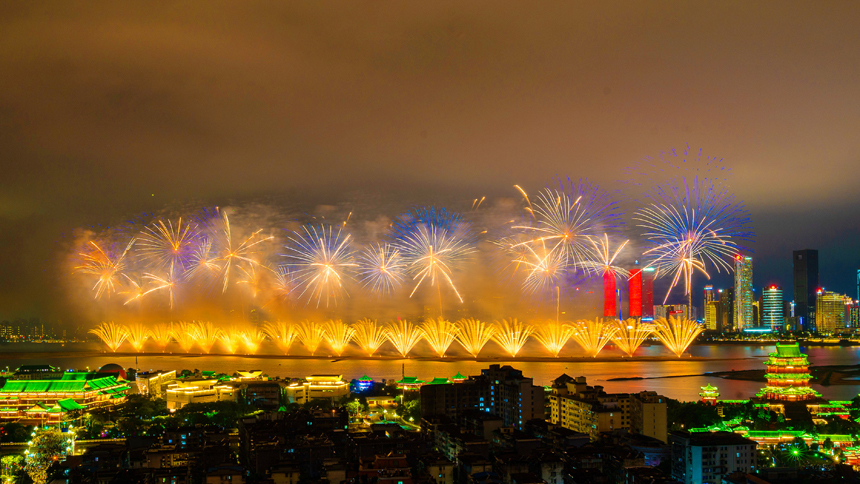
(726, 316)
(710, 318)
(634, 293)
(648, 292)
(805, 284)
(712, 315)
(773, 315)
(743, 292)
(830, 311)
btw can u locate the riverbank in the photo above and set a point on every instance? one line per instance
(822, 375)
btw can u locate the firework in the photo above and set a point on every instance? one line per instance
(369, 335)
(473, 335)
(630, 334)
(203, 263)
(111, 334)
(184, 335)
(161, 334)
(434, 242)
(565, 218)
(320, 258)
(231, 252)
(603, 264)
(690, 227)
(137, 335)
(311, 335)
(511, 335)
(439, 333)
(282, 333)
(167, 246)
(546, 269)
(404, 336)
(166, 283)
(252, 338)
(253, 277)
(338, 335)
(676, 334)
(108, 266)
(205, 335)
(230, 340)
(381, 269)
(593, 335)
(553, 335)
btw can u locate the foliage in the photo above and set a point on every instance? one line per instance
(45, 448)
(15, 432)
(223, 414)
(687, 415)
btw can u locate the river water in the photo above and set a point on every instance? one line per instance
(717, 358)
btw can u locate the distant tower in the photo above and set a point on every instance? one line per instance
(773, 315)
(710, 296)
(726, 318)
(805, 285)
(743, 292)
(648, 292)
(634, 293)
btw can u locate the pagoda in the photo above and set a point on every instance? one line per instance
(788, 376)
(709, 394)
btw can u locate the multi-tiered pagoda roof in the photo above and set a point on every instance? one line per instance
(788, 375)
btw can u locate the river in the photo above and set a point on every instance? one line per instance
(713, 358)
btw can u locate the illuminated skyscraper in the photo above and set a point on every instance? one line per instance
(634, 293)
(830, 311)
(712, 314)
(805, 285)
(743, 292)
(854, 316)
(710, 319)
(648, 292)
(773, 315)
(726, 316)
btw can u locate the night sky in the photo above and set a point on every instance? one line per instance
(108, 110)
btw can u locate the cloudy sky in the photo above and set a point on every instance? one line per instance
(108, 110)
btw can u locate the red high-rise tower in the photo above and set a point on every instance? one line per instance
(610, 305)
(634, 293)
(648, 292)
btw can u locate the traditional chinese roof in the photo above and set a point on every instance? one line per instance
(458, 376)
(787, 376)
(410, 380)
(790, 350)
(439, 380)
(365, 378)
(790, 390)
(68, 405)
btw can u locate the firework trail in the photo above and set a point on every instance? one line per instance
(162, 334)
(565, 218)
(381, 269)
(630, 334)
(282, 333)
(433, 243)
(546, 272)
(203, 263)
(229, 340)
(166, 246)
(137, 335)
(690, 227)
(205, 335)
(473, 335)
(511, 335)
(107, 266)
(603, 265)
(231, 252)
(593, 335)
(553, 335)
(404, 336)
(184, 335)
(166, 283)
(111, 335)
(439, 333)
(677, 334)
(311, 335)
(673, 164)
(338, 335)
(369, 335)
(252, 338)
(319, 259)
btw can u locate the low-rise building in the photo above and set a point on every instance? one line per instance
(701, 457)
(154, 383)
(183, 391)
(317, 387)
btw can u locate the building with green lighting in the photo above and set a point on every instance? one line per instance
(788, 376)
(49, 400)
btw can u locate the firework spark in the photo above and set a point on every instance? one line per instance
(112, 335)
(592, 335)
(381, 269)
(184, 335)
(162, 334)
(603, 264)
(169, 247)
(311, 335)
(252, 338)
(137, 335)
(439, 333)
(231, 251)
(404, 336)
(108, 266)
(677, 334)
(369, 335)
(630, 334)
(473, 335)
(511, 335)
(229, 340)
(691, 226)
(205, 335)
(320, 258)
(166, 283)
(434, 242)
(553, 335)
(282, 333)
(338, 335)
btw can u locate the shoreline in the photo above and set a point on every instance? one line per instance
(825, 375)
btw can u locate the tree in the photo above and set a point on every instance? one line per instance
(45, 448)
